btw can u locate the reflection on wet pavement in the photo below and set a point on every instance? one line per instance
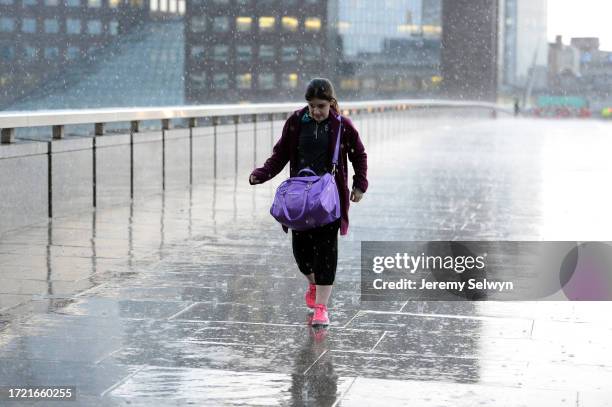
(192, 296)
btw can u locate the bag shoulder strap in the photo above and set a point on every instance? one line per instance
(337, 148)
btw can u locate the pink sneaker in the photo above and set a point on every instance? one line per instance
(311, 295)
(321, 316)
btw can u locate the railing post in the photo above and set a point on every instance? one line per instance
(254, 140)
(271, 119)
(193, 122)
(134, 128)
(98, 131)
(58, 132)
(236, 121)
(49, 179)
(7, 136)
(165, 126)
(215, 121)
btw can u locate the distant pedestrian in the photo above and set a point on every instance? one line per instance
(517, 108)
(308, 140)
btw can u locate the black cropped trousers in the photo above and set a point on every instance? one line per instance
(316, 251)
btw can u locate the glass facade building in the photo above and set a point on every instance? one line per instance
(524, 39)
(389, 47)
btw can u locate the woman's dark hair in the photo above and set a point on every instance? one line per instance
(322, 88)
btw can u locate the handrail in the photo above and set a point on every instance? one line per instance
(36, 118)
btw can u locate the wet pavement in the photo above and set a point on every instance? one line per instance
(193, 297)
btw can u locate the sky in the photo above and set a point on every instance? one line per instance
(581, 18)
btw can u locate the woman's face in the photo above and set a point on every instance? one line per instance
(318, 109)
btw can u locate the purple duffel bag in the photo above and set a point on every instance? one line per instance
(306, 202)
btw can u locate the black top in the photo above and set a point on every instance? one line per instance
(312, 146)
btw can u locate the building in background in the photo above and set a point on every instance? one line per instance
(39, 39)
(256, 50)
(524, 43)
(581, 68)
(469, 56)
(563, 65)
(267, 50)
(237, 51)
(390, 48)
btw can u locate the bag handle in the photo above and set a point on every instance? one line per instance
(287, 212)
(307, 170)
(337, 149)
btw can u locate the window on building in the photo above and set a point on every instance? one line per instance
(221, 53)
(197, 52)
(30, 2)
(181, 7)
(220, 81)
(221, 1)
(290, 23)
(266, 52)
(312, 52)
(51, 26)
(51, 53)
(198, 24)
(6, 2)
(243, 2)
(73, 3)
(7, 52)
(114, 3)
(94, 27)
(369, 83)
(30, 52)
(7, 24)
(349, 84)
(289, 53)
(243, 81)
(290, 80)
(266, 24)
(73, 53)
(94, 3)
(243, 24)
(73, 26)
(312, 24)
(221, 24)
(172, 6)
(51, 3)
(244, 53)
(199, 80)
(28, 25)
(266, 81)
(113, 27)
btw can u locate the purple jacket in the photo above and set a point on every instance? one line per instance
(285, 151)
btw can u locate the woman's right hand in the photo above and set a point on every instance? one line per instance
(253, 180)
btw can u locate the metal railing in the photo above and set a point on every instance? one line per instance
(58, 119)
(75, 163)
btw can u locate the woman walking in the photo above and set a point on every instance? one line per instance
(308, 140)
